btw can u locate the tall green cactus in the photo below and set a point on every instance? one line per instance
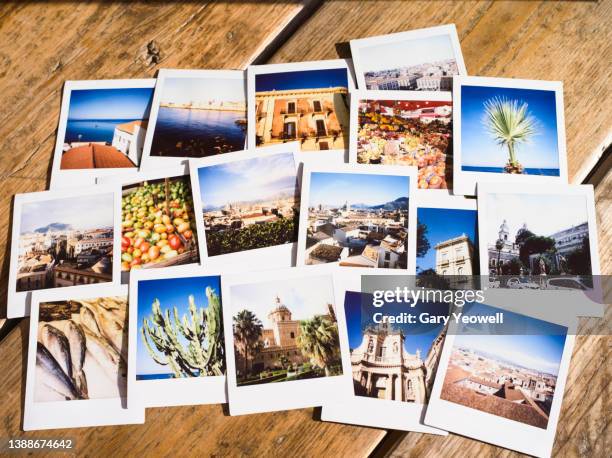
(204, 354)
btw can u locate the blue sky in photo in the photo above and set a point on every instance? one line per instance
(522, 340)
(418, 336)
(479, 149)
(247, 180)
(100, 104)
(303, 79)
(331, 188)
(170, 292)
(443, 224)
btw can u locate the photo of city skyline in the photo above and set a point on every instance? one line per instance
(158, 354)
(65, 242)
(285, 331)
(357, 220)
(414, 349)
(199, 117)
(105, 127)
(509, 130)
(512, 376)
(250, 203)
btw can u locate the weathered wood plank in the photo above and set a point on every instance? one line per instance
(567, 41)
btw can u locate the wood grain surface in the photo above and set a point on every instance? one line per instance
(43, 44)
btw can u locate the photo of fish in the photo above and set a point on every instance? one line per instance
(81, 350)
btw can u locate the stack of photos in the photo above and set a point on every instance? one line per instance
(78, 353)
(356, 216)
(506, 386)
(158, 226)
(102, 126)
(196, 113)
(246, 204)
(508, 130)
(419, 60)
(404, 128)
(286, 348)
(306, 102)
(62, 238)
(177, 348)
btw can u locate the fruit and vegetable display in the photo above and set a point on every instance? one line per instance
(157, 224)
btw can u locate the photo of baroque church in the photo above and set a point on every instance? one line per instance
(383, 369)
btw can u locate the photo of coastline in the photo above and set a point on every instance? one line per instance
(106, 128)
(65, 242)
(249, 203)
(81, 349)
(446, 242)
(408, 132)
(200, 116)
(190, 344)
(310, 106)
(393, 362)
(511, 376)
(285, 331)
(357, 220)
(509, 131)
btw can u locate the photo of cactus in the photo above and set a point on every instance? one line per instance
(180, 330)
(80, 350)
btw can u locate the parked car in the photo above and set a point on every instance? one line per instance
(521, 283)
(566, 283)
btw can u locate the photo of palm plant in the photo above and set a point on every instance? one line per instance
(285, 331)
(509, 130)
(180, 328)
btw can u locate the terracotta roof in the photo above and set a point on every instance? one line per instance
(95, 156)
(481, 381)
(511, 393)
(326, 252)
(129, 126)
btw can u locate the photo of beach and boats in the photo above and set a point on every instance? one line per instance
(106, 128)
(413, 64)
(81, 349)
(357, 220)
(66, 242)
(158, 224)
(285, 331)
(509, 130)
(408, 132)
(180, 328)
(310, 106)
(200, 116)
(250, 203)
(538, 235)
(511, 376)
(393, 362)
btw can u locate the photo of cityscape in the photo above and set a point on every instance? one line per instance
(414, 64)
(538, 234)
(446, 242)
(106, 128)
(200, 116)
(358, 220)
(407, 132)
(509, 130)
(285, 331)
(66, 242)
(191, 343)
(511, 376)
(250, 203)
(310, 106)
(393, 362)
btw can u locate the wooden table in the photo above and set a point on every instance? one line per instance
(44, 44)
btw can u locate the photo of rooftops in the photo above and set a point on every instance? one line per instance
(106, 128)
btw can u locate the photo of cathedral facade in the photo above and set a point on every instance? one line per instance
(383, 369)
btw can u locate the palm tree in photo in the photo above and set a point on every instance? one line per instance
(247, 330)
(510, 124)
(319, 341)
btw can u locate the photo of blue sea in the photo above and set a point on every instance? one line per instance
(93, 114)
(485, 149)
(170, 292)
